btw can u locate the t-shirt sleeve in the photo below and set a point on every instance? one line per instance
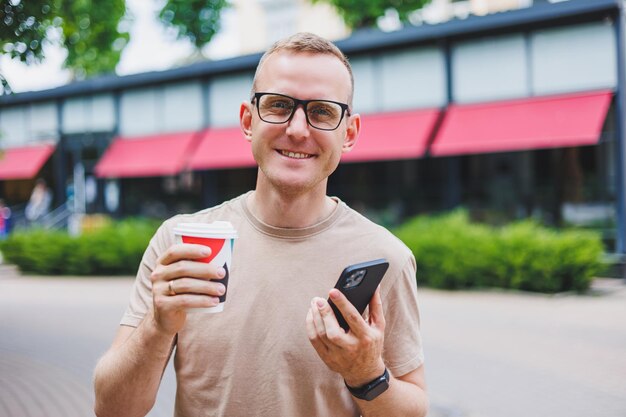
(141, 293)
(403, 351)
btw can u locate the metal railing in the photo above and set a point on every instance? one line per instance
(56, 219)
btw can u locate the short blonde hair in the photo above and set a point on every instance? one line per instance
(307, 42)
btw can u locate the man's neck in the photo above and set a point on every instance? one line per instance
(290, 211)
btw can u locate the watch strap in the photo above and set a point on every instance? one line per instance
(372, 389)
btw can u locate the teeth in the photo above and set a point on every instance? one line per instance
(295, 155)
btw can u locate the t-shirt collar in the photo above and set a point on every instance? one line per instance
(292, 233)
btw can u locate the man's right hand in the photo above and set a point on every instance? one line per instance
(180, 281)
(126, 386)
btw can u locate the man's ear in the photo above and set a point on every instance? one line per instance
(352, 133)
(245, 119)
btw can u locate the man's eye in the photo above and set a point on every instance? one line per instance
(322, 111)
(280, 104)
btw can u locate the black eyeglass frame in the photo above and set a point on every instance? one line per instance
(345, 109)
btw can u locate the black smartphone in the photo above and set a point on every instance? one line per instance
(358, 283)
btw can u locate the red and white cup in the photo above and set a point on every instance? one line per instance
(220, 237)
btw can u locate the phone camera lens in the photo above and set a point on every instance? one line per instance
(355, 279)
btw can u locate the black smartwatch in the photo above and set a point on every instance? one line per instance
(372, 389)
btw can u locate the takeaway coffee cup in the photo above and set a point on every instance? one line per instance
(220, 237)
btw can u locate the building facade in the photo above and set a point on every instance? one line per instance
(511, 115)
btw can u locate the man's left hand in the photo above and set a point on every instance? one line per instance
(356, 354)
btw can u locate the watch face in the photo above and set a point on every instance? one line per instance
(377, 390)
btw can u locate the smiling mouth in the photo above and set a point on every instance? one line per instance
(295, 155)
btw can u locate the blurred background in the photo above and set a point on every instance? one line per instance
(508, 108)
(493, 144)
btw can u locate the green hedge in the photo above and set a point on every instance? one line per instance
(115, 249)
(453, 253)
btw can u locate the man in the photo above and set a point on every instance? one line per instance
(276, 349)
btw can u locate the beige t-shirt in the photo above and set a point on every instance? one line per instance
(254, 358)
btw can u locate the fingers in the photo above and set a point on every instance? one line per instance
(318, 320)
(377, 318)
(194, 286)
(322, 328)
(185, 301)
(183, 251)
(333, 331)
(179, 262)
(357, 354)
(190, 269)
(312, 333)
(180, 282)
(187, 277)
(349, 312)
(184, 293)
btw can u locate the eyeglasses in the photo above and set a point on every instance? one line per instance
(279, 108)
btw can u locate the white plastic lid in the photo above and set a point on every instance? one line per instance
(217, 229)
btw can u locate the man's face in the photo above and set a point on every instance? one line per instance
(294, 157)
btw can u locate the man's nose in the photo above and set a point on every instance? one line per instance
(298, 125)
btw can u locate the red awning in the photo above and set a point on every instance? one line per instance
(222, 148)
(23, 163)
(531, 123)
(389, 136)
(151, 156)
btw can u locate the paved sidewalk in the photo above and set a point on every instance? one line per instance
(489, 354)
(507, 354)
(53, 330)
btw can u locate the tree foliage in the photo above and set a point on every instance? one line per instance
(87, 29)
(364, 13)
(196, 20)
(23, 27)
(92, 32)
(92, 35)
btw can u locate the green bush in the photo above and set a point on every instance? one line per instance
(453, 253)
(115, 249)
